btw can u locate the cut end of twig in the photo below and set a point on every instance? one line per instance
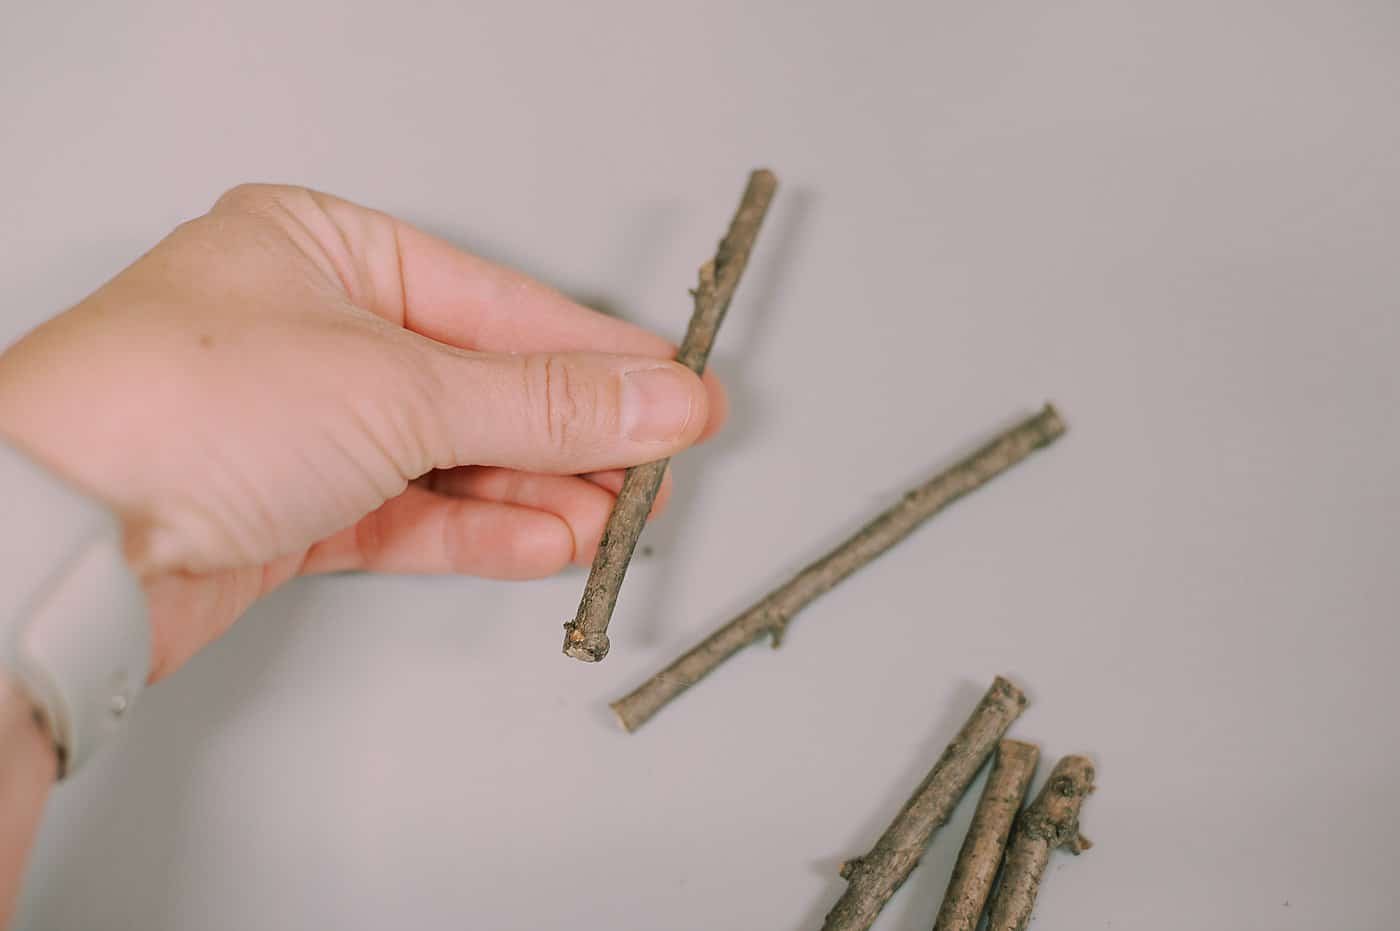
(764, 177)
(581, 645)
(619, 712)
(1054, 816)
(1018, 750)
(1073, 776)
(1053, 425)
(1004, 688)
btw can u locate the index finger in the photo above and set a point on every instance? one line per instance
(463, 300)
(458, 298)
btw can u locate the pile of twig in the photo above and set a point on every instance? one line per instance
(1051, 821)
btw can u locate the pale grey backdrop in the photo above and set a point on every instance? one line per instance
(1177, 220)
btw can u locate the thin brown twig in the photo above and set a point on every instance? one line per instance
(874, 877)
(985, 843)
(775, 611)
(586, 636)
(1051, 821)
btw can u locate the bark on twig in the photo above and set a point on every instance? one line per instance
(586, 636)
(1051, 821)
(772, 614)
(874, 877)
(982, 850)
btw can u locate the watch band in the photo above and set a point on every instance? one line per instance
(74, 630)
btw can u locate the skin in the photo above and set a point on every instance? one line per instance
(294, 384)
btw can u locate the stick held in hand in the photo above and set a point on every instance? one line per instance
(586, 636)
(874, 877)
(772, 614)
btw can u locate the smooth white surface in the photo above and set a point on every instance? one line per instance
(1178, 221)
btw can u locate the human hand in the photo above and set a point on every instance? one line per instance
(294, 384)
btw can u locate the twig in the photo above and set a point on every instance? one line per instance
(586, 636)
(980, 858)
(874, 877)
(772, 614)
(1051, 821)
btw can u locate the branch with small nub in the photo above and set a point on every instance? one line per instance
(982, 849)
(586, 636)
(873, 878)
(1051, 821)
(771, 615)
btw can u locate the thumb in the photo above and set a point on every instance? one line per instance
(566, 412)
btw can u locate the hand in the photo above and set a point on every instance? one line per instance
(294, 384)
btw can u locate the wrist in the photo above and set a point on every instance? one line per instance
(74, 635)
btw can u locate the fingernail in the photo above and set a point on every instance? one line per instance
(656, 403)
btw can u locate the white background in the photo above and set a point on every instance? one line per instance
(1176, 220)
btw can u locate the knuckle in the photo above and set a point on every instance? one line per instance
(249, 196)
(260, 198)
(559, 399)
(562, 403)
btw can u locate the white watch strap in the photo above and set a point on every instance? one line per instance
(73, 620)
